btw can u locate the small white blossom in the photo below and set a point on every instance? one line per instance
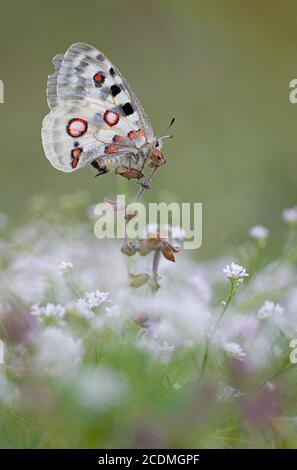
(57, 351)
(235, 272)
(226, 392)
(85, 305)
(49, 310)
(100, 389)
(259, 233)
(150, 230)
(82, 308)
(201, 287)
(289, 216)
(175, 232)
(96, 298)
(176, 386)
(166, 348)
(268, 309)
(234, 350)
(65, 267)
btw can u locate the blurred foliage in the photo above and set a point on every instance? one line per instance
(153, 343)
(221, 68)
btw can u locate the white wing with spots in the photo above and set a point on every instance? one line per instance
(94, 112)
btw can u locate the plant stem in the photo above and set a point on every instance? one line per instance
(156, 262)
(143, 187)
(139, 195)
(210, 336)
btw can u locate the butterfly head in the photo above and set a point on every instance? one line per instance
(156, 158)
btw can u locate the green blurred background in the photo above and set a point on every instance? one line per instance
(221, 68)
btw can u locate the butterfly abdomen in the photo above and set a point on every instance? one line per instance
(117, 161)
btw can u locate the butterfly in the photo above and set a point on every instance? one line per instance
(95, 118)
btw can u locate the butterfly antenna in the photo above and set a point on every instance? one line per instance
(168, 136)
(171, 123)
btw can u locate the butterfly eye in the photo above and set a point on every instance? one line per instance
(157, 144)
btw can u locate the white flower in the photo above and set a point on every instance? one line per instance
(165, 231)
(259, 232)
(290, 215)
(201, 287)
(82, 308)
(226, 392)
(234, 350)
(166, 348)
(269, 308)
(49, 310)
(96, 298)
(57, 351)
(176, 232)
(150, 230)
(176, 386)
(85, 305)
(65, 267)
(99, 389)
(235, 272)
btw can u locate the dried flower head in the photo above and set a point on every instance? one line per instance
(155, 242)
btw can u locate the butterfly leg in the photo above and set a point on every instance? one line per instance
(143, 165)
(101, 170)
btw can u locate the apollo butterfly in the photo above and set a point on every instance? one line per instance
(95, 118)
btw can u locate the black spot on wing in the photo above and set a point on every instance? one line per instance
(112, 71)
(115, 90)
(127, 108)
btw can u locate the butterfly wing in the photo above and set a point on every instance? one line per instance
(94, 113)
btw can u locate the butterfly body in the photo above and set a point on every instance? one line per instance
(95, 117)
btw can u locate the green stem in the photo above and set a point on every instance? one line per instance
(210, 336)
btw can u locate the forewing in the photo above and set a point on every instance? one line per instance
(86, 73)
(94, 111)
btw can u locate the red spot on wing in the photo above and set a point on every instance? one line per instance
(111, 148)
(98, 77)
(111, 118)
(74, 162)
(75, 154)
(77, 127)
(134, 134)
(118, 139)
